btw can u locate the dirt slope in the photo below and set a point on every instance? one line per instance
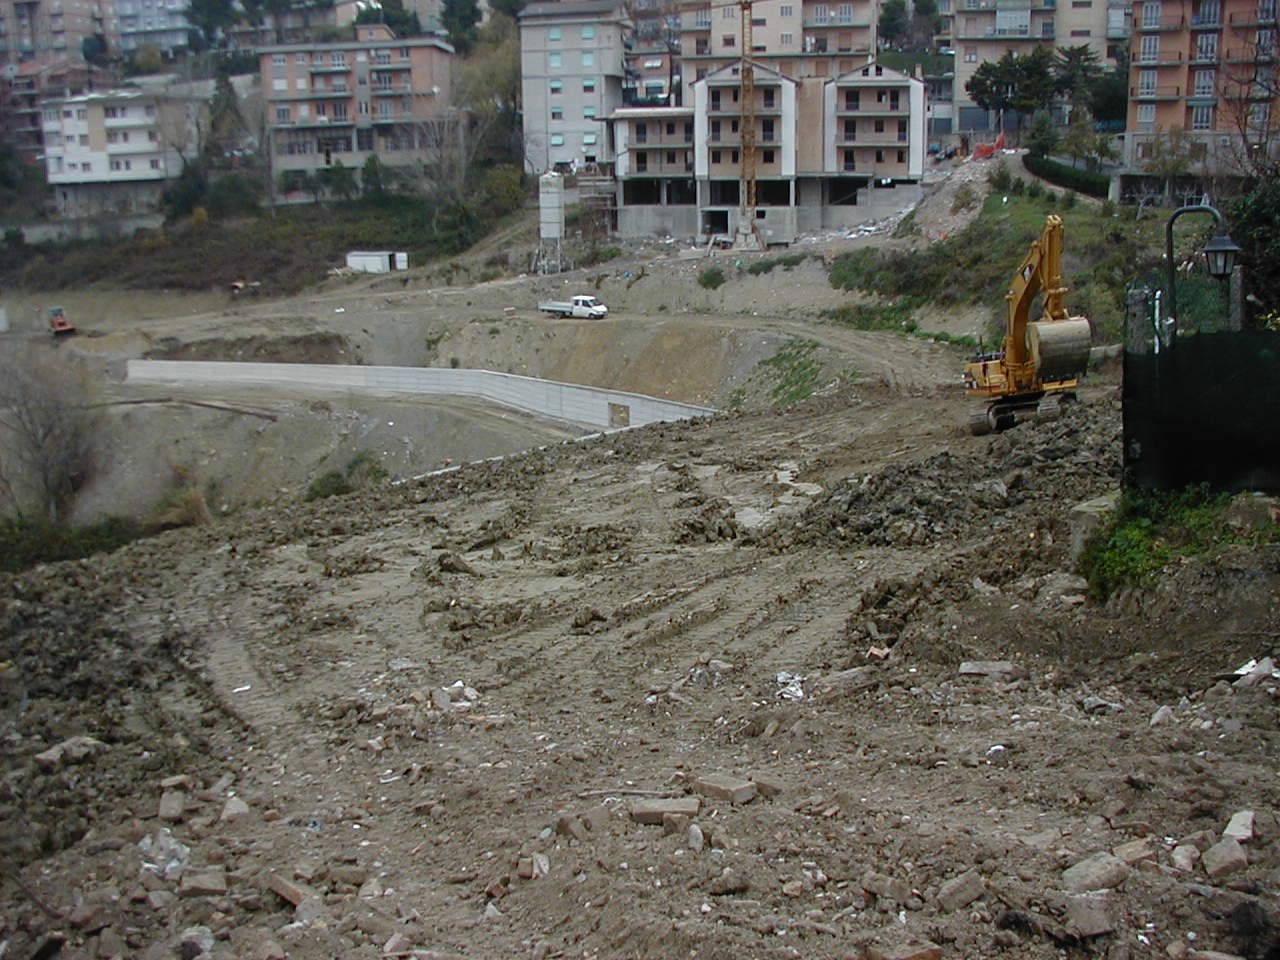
(781, 597)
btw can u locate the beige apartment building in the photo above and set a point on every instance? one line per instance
(343, 102)
(831, 152)
(984, 30)
(112, 152)
(793, 38)
(1206, 67)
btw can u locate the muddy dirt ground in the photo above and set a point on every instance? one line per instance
(817, 681)
(425, 720)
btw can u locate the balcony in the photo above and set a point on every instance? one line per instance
(390, 89)
(329, 68)
(1263, 16)
(399, 117)
(1164, 91)
(1176, 22)
(834, 21)
(312, 122)
(1250, 55)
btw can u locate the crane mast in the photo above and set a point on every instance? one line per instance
(747, 237)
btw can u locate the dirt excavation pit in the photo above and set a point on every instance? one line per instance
(573, 704)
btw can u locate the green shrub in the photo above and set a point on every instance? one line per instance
(1085, 181)
(1108, 209)
(597, 254)
(1152, 528)
(765, 266)
(711, 278)
(1069, 199)
(331, 484)
(965, 198)
(1034, 190)
(1000, 178)
(24, 543)
(794, 370)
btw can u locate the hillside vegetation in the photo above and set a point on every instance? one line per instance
(1106, 251)
(286, 252)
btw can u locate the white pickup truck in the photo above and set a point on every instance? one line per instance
(579, 306)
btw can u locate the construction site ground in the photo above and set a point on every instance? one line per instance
(840, 643)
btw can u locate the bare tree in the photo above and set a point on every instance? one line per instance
(46, 433)
(1249, 93)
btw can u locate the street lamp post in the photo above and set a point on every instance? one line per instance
(1220, 254)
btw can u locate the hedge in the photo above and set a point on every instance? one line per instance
(1083, 181)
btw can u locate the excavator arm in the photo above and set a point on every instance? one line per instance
(1038, 357)
(1041, 269)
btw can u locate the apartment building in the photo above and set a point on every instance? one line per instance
(1207, 67)
(793, 38)
(573, 66)
(831, 152)
(32, 82)
(45, 31)
(343, 102)
(984, 30)
(111, 152)
(160, 23)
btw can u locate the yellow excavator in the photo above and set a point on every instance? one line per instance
(1041, 361)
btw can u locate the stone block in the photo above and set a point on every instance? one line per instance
(1185, 857)
(1242, 827)
(288, 890)
(233, 809)
(961, 891)
(724, 787)
(674, 824)
(204, 883)
(1087, 917)
(651, 810)
(901, 946)
(767, 785)
(1135, 850)
(987, 668)
(1098, 872)
(1084, 519)
(571, 825)
(172, 805)
(1225, 856)
(883, 886)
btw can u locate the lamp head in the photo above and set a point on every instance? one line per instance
(1220, 253)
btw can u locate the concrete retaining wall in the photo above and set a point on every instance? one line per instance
(585, 406)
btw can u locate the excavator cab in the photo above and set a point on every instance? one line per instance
(59, 325)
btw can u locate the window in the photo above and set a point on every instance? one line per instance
(588, 113)
(1204, 83)
(671, 129)
(844, 13)
(970, 56)
(728, 13)
(879, 156)
(733, 156)
(588, 33)
(338, 58)
(766, 156)
(1266, 43)
(152, 136)
(787, 39)
(557, 139)
(588, 138)
(557, 113)
(278, 60)
(821, 13)
(112, 136)
(879, 126)
(1150, 51)
(727, 40)
(766, 129)
(768, 98)
(849, 160)
(851, 129)
(282, 115)
(1080, 33)
(1150, 14)
(84, 139)
(339, 111)
(642, 161)
(688, 132)
(671, 157)
(715, 99)
(1266, 9)
(1146, 113)
(787, 10)
(155, 164)
(715, 156)
(1207, 46)
(902, 131)
(553, 33)
(555, 61)
(715, 130)
(554, 87)
(588, 86)
(117, 165)
(1207, 12)
(588, 58)
(1202, 117)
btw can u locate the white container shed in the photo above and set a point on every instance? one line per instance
(377, 261)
